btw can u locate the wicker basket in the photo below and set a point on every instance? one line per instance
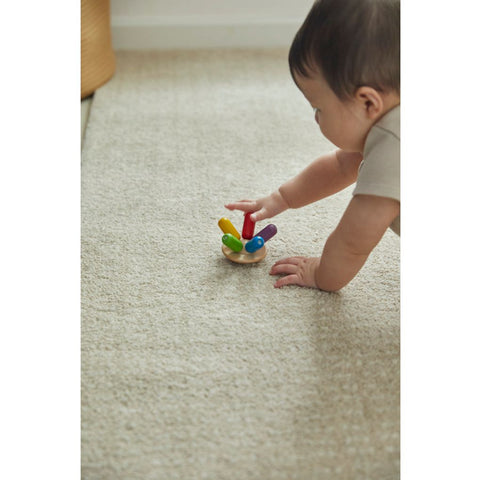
(98, 59)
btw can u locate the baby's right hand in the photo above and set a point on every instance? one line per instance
(265, 207)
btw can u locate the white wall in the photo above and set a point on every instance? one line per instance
(165, 24)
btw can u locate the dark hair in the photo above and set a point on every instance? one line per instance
(353, 43)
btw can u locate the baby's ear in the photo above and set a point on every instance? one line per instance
(370, 101)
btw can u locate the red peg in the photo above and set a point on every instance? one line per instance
(248, 227)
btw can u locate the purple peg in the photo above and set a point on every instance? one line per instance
(268, 232)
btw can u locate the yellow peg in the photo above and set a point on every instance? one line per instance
(226, 226)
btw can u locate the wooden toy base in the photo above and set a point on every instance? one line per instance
(244, 256)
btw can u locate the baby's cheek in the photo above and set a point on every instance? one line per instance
(325, 130)
(333, 136)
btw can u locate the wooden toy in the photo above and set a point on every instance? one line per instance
(254, 244)
(233, 243)
(249, 249)
(248, 227)
(268, 232)
(243, 256)
(226, 226)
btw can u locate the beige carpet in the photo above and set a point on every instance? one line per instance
(196, 368)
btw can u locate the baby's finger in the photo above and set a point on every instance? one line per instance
(288, 280)
(259, 215)
(290, 260)
(284, 268)
(244, 205)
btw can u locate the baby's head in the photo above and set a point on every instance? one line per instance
(352, 47)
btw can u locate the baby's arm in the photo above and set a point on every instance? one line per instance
(363, 224)
(325, 176)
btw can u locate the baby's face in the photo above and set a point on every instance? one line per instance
(342, 122)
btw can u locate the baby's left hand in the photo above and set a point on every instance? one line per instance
(298, 271)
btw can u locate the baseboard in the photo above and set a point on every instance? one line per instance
(140, 33)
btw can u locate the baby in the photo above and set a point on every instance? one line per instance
(345, 59)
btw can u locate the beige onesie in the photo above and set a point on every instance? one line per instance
(379, 172)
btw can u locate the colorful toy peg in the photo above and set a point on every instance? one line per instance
(268, 232)
(227, 227)
(248, 227)
(232, 242)
(256, 243)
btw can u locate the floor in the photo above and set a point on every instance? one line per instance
(179, 379)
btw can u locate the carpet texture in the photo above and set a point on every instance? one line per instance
(197, 368)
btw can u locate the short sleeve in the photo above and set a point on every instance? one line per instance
(379, 172)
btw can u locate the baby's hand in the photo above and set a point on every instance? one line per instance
(265, 207)
(298, 271)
